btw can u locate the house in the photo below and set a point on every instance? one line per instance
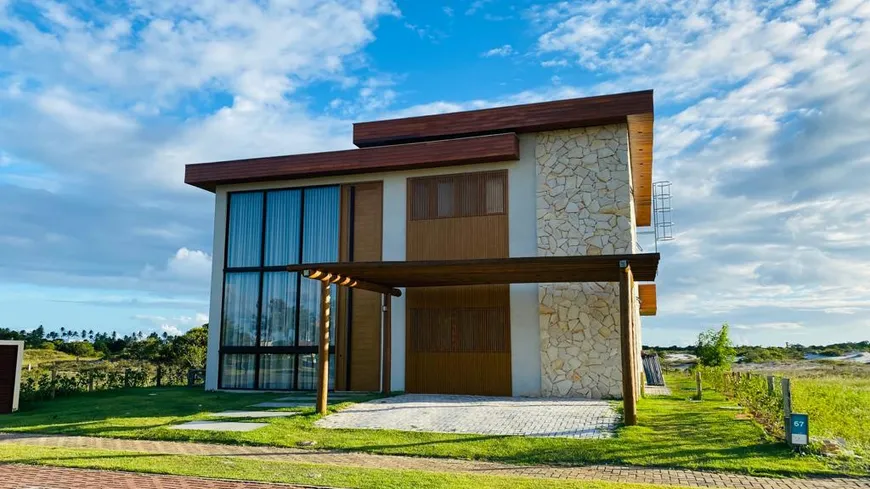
(566, 180)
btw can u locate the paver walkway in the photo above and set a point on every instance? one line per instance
(540, 417)
(16, 476)
(689, 478)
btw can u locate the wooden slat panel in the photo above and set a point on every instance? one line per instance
(544, 116)
(486, 149)
(444, 364)
(365, 340)
(647, 293)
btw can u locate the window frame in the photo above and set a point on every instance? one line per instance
(257, 350)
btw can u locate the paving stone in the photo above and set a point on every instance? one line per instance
(218, 426)
(538, 417)
(613, 473)
(35, 477)
(253, 414)
(273, 405)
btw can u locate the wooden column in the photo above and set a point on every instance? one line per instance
(323, 357)
(388, 344)
(629, 392)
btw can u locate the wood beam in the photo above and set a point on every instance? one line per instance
(323, 356)
(345, 281)
(629, 392)
(388, 344)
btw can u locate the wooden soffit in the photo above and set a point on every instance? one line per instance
(449, 152)
(640, 147)
(647, 295)
(494, 271)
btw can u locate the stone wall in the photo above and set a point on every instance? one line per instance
(583, 208)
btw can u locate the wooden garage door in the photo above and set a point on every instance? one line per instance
(458, 338)
(8, 366)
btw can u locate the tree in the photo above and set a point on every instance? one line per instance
(189, 349)
(715, 348)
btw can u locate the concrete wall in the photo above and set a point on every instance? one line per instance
(583, 208)
(525, 349)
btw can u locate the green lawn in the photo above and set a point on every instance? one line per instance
(266, 471)
(672, 432)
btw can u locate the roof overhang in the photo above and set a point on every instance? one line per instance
(633, 108)
(389, 275)
(449, 152)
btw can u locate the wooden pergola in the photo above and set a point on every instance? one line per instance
(386, 277)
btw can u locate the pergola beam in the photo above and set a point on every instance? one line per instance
(333, 278)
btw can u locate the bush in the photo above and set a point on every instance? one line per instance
(78, 348)
(715, 348)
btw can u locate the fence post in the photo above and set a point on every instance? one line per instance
(53, 390)
(698, 395)
(126, 377)
(90, 381)
(786, 408)
(159, 375)
(770, 385)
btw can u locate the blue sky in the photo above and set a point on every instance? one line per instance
(761, 125)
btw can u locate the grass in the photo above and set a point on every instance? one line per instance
(35, 357)
(837, 399)
(283, 472)
(672, 432)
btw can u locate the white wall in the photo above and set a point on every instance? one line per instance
(217, 290)
(522, 225)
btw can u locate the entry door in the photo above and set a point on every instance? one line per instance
(8, 367)
(458, 338)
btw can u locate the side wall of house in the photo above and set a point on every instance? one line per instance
(583, 208)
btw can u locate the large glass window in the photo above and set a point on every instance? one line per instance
(271, 317)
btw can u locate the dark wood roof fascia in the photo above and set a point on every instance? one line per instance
(452, 152)
(543, 116)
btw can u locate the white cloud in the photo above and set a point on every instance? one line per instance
(190, 264)
(775, 326)
(501, 51)
(171, 330)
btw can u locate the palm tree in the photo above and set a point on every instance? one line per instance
(63, 332)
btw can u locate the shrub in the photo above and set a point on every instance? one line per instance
(78, 348)
(715, 348)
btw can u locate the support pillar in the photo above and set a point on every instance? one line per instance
(629, 391)
(388, 344)
(323, 356)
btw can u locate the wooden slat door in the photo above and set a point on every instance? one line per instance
(458, 338)
(8, 367)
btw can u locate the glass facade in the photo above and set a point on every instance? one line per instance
(271, 317)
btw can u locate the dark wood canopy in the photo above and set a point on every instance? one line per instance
(385, 277)
(388, 275)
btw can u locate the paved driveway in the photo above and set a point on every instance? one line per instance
(542, 417)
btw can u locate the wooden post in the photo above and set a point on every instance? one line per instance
(323, 356)
(53, 391)
(90, 380)
(786, 408)
(698, 389)
(629, 393)
(388, 344)
(770, 385)
(159, 374)
(126, 377)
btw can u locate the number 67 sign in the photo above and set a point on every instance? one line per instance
(799, 429)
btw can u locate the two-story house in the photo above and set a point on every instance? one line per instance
(568, 178)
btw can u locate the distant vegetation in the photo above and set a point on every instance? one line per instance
(64, 362)
(761, 354)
